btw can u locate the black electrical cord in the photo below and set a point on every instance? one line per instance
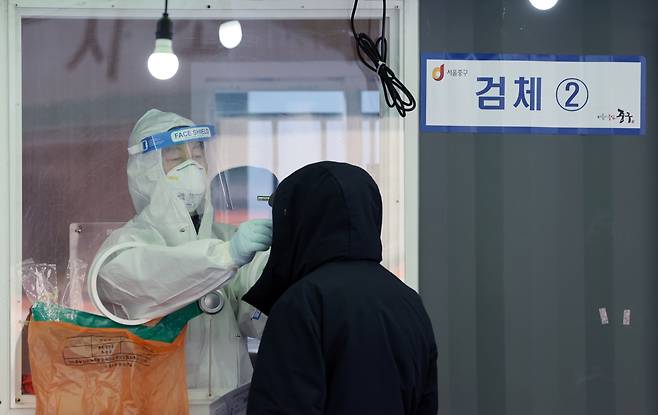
(397, 95)
(165, 27)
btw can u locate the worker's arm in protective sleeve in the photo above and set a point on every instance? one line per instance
(250, 320)
(154, 280)
(290, 371)
(429, 404)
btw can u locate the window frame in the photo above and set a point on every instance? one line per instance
(403, 41)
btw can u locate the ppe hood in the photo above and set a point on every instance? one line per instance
(145, 170)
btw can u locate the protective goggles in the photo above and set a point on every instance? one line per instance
(173, 137)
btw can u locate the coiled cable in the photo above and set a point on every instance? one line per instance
(373, 55)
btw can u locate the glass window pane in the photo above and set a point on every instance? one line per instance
(291, 93)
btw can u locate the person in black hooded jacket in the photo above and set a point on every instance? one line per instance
(344, 335)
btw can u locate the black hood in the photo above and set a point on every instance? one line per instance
(323, 212)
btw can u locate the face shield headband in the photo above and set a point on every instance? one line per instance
(173, 138)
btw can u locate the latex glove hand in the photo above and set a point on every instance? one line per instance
(252, 236)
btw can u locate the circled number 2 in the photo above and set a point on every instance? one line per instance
(572, 94)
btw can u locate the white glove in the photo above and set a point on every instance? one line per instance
(252, 236)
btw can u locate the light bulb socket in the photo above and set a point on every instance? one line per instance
(163, 46)
(165, 27)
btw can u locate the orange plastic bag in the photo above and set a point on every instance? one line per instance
(87, 364)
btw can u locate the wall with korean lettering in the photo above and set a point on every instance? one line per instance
(525, 237)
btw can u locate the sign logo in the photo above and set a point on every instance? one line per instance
(439, 72)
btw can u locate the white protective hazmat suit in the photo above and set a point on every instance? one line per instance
(173, 266)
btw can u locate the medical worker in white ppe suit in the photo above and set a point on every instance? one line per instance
(171, 254)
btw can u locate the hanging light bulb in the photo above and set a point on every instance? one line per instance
(230, 34)
(163, 63)
(543, 4)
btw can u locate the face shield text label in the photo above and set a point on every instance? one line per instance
(189, 134)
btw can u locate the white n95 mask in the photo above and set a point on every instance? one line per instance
(188, 182)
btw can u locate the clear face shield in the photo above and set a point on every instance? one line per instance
(183, 161)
